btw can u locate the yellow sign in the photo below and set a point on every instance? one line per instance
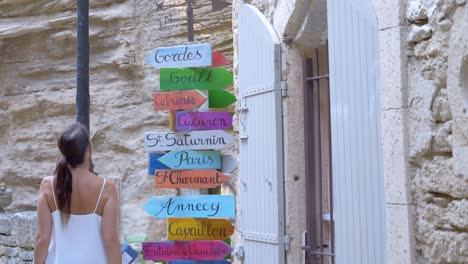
(198, 229)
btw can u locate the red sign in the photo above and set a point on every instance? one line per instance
(189, 178)
(178, 100)
(218, 60)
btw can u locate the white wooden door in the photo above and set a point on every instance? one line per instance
(355, 127)
(261, 219)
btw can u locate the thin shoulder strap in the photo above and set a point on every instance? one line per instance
(100, 194)
(53, 193)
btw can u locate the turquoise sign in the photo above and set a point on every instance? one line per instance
(192, 159)
(191, 206)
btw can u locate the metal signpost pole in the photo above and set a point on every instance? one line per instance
(82, 63)
(82, 66)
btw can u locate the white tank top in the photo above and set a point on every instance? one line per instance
(80, 241)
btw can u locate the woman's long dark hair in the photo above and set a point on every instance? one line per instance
(72, 143)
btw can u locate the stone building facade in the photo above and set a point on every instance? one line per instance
(423, 67)
(424, 111)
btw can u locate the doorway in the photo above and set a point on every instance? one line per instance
(319, 236)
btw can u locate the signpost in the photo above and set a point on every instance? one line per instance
(220, 98)
(165, 141)
(218, 60)
(187, 121)
(194, 78)
(191, 206)
(188, 178)
(180, 56)
(178, 100)
(192, 159)
(185, 250)
(198, 229)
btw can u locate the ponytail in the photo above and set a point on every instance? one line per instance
(72, 143)
(63, 189)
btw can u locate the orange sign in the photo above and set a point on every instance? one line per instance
(198, 229)
(178, 100)
(189, 178)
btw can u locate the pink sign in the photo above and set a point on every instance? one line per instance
(186, 250)
(188, 121)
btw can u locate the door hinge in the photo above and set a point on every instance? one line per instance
(284, 88)
(287, 242)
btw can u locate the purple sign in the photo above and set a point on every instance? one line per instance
(188, 121)
(186, 250)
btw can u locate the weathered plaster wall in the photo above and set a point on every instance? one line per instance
(37, 88)
(438, 128)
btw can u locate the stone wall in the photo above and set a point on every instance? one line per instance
(37, 92)
(17, 232)
(438, 128)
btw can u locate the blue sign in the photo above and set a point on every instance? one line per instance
(180, 56)
(191, 206)
(128, 254)
(192, 159)
(154, 163)
(220, 261)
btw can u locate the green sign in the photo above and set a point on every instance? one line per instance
(194, 78)
(220, 99)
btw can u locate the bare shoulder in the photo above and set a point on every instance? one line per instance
(46, 184)
(110, 189)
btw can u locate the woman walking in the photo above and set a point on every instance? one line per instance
(77, 211)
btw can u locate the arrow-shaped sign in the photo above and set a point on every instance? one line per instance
(185, 250)
(180, 56)
(163, 141)
(192, 159)
(194, 78)
(154, 163)
(178, 100)
(198, 229)
(228, 163)
(188, 178)
(218, 59)
(188, 121)
(220, 98)
(191, 206)
(218, 261)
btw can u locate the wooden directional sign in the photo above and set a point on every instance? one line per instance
(218, 60)
(188, 121)
(198, 229)
(180, 56)
(154, 163)
(189, 178)
(192, 159)
(228, 163)
(191, 206)
(218, 261)
(194, 78)
(178, 100)
(220, 98)
(185, 250)
(164, 141)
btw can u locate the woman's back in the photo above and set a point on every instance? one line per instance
(79, 240)
(76, 210)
